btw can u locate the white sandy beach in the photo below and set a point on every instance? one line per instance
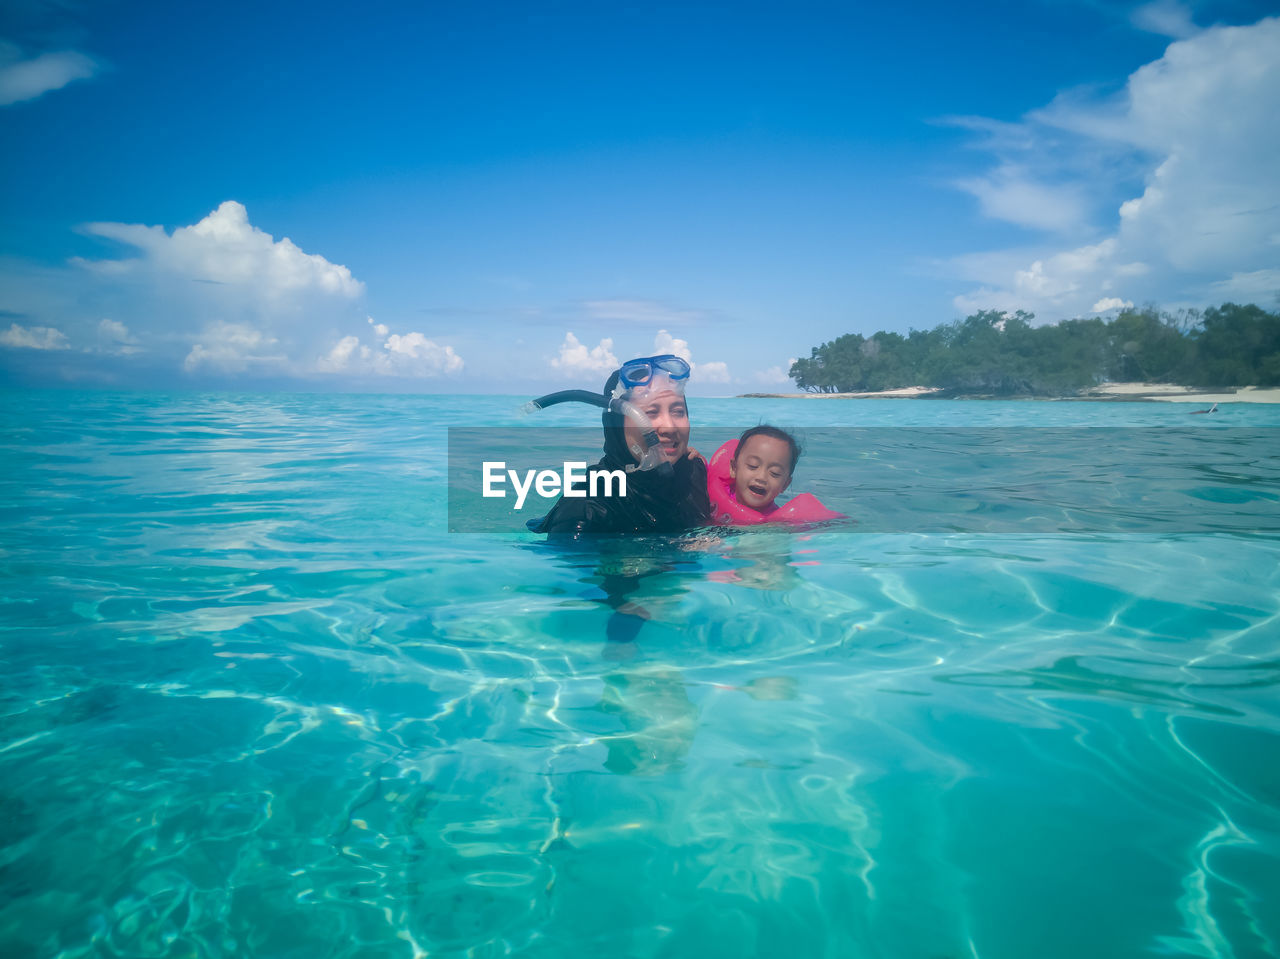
(905, 393)
(1169, 393)
(1158, 392)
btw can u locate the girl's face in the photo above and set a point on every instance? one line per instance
(761, 470)
(670, 417)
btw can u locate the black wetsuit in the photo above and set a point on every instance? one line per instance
(653, 504)
(657, 501)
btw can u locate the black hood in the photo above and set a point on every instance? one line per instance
(657, 501)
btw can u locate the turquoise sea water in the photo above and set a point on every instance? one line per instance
(258, 702)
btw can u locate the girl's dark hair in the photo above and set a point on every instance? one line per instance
(776, 434)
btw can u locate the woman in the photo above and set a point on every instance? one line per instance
(666, 488)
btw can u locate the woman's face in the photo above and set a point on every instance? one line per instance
(670, 417)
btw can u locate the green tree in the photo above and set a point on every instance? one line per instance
(1236, 346)
(995, 352)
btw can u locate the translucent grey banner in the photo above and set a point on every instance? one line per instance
(925, 480)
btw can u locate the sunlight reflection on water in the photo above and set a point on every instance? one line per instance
(258, 701)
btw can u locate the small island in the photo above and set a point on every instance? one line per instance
(1225, 354)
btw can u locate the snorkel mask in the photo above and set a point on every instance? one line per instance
(637, 379)
(652, 374)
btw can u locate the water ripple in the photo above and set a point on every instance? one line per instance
(257, 701)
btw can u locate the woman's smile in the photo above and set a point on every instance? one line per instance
(670, 418)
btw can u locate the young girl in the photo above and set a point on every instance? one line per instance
(762, 466)
(746, 476)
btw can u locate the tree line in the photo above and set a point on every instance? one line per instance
(998, 353)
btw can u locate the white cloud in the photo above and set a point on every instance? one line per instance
(114, 337)
(712, 372)
(645, 312)
(233, 348)
(27, 79)
(995, 135)
(1111, 303)
(342, 358)
(115, 331)
(1197, 128)
(1257, 286)
(1046, 283)
(415, 355)
(664, 342)
(33, 338)
(576, 357)
(410, 355)
(220, 295)
(988, 298)
(1168, 18)
(777, 374)
(225, 248)
(1011, 193)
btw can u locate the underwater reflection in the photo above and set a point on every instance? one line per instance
(640, 578)
(659, 721)
(762, 562)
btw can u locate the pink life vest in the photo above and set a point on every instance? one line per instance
(727, 511)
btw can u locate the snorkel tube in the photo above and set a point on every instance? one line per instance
(650, 456)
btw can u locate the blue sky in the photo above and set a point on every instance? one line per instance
(504, 197)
